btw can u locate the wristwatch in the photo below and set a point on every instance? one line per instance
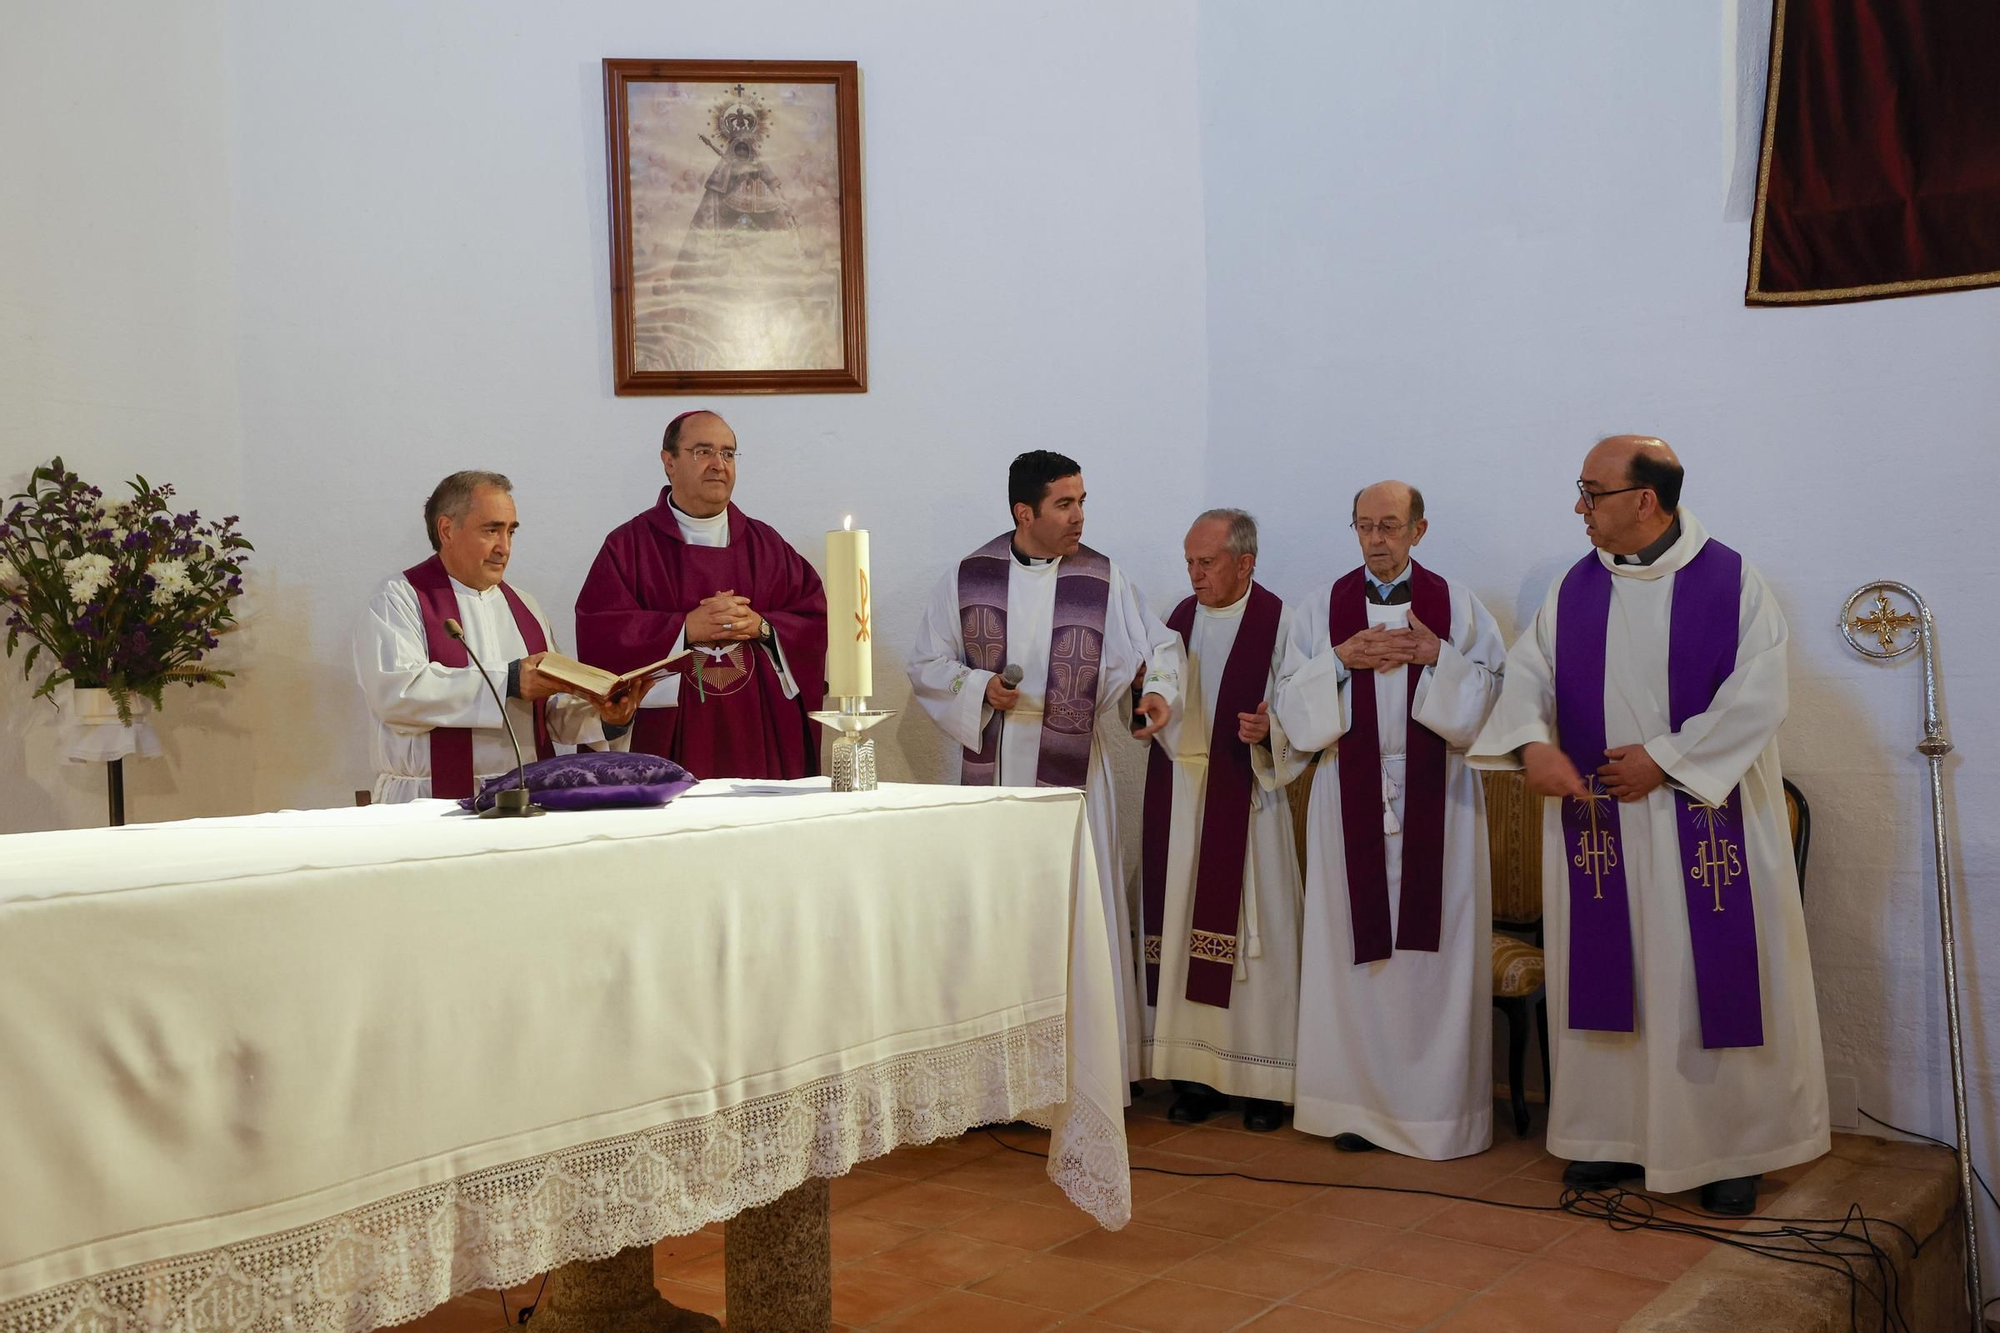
(767, 636)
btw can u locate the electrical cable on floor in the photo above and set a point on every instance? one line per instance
(1817, 1246)
(1991, 1301)
(527, 1311)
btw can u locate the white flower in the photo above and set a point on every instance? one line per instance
(10, 577)
(86, 574)
(170, 581)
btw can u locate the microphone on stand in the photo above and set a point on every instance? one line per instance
(1010, 676)
(514, 802)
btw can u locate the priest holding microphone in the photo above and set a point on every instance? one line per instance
(1027, 656)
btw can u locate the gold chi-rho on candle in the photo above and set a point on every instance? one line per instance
(850, 630)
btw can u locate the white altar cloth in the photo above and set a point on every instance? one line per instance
(321, 1070)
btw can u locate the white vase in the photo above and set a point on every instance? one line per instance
(96, 706)
(93, 705)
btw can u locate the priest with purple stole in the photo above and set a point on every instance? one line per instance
(1029, 654)
(695, 572)
(1219, 877)
(1644, 702)
(1390, 674)
(439, 730)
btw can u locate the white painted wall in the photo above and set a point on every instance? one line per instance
(118, 337)
(360, 246)
(304, 260)
(1457, 243)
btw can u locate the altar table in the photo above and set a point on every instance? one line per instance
(321, 1070)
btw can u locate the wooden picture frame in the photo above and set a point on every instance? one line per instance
(735, 207)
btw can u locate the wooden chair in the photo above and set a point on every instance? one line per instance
(1520, 990)
(1800, 815)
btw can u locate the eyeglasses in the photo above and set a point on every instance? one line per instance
(1590, 497)
(708, 453)
(1392, 529)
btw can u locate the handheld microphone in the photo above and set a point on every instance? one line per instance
(514, 802)
(1010, 676)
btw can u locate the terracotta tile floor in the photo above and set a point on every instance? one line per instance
(968, 1237)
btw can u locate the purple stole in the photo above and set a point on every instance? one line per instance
(451, 747)
(1420, 917)
(1076, 652)
(1225, 812)
(1722, 926)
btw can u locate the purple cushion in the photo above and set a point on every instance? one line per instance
(593, 780)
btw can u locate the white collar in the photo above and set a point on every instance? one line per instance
(1693, 537)
(1231, 612)
(715, 523)
(467, 590)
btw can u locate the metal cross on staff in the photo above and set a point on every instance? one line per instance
(1884, 624)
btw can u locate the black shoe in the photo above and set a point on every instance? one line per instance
(1261, 1117)
(1136, 1090)
(1352, 1143)
(1195, 1104)
(1600, 1175)
(1735, 1197)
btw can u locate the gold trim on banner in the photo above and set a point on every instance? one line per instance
(1152, 948)
(1756, 295)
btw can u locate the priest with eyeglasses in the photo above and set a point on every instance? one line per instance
(1644, 702)
(696, 572)
(1389, 675)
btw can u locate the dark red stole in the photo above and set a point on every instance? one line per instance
(1421, 914)
(451, 747)
(1225, 812)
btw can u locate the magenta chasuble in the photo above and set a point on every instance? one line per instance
(733, 719)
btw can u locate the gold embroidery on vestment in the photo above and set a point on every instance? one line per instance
(1206, 944)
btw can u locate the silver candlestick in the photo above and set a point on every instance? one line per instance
(853, 758)
(1876, 634)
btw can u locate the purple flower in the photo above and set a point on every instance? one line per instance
(134, 541)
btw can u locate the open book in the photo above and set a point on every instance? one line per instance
(599, 682)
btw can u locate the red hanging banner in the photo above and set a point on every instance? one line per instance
(1880, 172)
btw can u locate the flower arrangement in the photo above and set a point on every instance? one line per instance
(122, 595)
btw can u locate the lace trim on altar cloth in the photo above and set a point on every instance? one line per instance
(391, 1261)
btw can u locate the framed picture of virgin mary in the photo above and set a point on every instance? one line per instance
(735, 201)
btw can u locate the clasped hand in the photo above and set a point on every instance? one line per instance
(724, 618)
(1628, 773)
(1380, 648)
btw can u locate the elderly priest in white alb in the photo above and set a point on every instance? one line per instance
(1038, 600)
(1644, 700)
(1219, 899)
(438, 729)
(1390, 673)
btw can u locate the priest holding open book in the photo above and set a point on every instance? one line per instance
(439, 730)
(694, 572)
